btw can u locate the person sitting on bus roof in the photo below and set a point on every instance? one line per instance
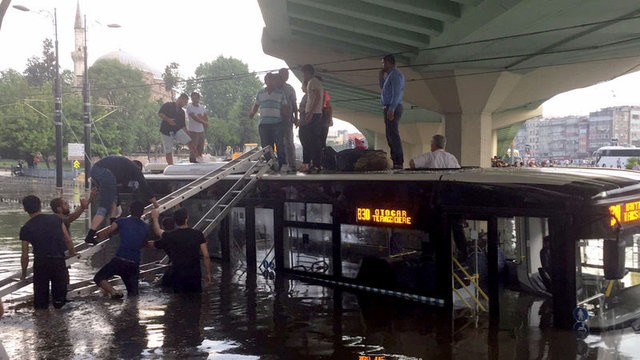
(437, 158)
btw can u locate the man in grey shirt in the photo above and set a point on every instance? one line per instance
(290, 94)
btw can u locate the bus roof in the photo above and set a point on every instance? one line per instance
(583, 182)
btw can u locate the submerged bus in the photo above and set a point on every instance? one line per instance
(615, 156)
(572, 234)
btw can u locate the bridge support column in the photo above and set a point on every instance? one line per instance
(468, 101)
(469, 138)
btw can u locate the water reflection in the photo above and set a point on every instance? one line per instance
(58, 340)
(183, 330)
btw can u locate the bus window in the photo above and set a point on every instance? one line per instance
(264, 235)
(391, 244)
(308, 212)
(308, 250)
(520, 241)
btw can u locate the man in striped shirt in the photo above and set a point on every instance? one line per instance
(273, 106)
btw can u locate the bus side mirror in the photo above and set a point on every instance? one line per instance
(613, 258)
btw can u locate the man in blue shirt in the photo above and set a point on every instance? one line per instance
(391, 92)
(133, 235)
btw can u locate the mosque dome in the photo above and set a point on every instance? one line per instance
(128, 59)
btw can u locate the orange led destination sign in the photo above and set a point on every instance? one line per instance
(383, 216)
(625, 212)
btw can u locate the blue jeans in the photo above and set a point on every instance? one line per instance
(273, 134)
(393, 136)
(107, 186)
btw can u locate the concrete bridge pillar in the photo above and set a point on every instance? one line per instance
(468, 101)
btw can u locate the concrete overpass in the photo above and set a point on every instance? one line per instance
(474, 69)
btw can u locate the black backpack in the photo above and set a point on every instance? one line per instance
(329, 158)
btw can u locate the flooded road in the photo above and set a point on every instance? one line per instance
(248, 316)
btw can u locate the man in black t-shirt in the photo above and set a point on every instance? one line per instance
(49, 237)
(173, 125)
(183, 245)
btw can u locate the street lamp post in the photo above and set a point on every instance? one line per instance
(86, 115)
(57, 96)
(57, 119)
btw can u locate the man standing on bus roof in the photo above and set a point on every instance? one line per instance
(172, 127)
(437, 158)
(391, 93)
(198, 122)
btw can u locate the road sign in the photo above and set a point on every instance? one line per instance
(76, 164)
(580, 314)
(76, 151)
(582, 330)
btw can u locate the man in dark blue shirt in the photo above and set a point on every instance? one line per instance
(391, 93)
(106, 174)
(49, 238)
(133, 235)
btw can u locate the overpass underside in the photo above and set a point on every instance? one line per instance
(472, 67)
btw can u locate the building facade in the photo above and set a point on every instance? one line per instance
(577, 137)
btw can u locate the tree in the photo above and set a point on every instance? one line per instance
(42, 70)
(633, 161)
(122, 108)
(228, 90)
(171, 78)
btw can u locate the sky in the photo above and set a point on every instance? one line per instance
(191, 32)
(157, 32)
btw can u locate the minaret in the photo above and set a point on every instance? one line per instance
(78, 54)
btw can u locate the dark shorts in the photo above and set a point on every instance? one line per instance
(127, 270)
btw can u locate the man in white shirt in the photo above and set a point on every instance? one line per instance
(437, 158)
(198, 121)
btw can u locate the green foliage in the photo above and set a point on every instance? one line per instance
(228, 91)
(121, 114)
(124, 119)
(26, 114)
(42, 70)
(633, 161)
(171, 76)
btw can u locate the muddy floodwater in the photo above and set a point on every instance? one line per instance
(244, 315)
